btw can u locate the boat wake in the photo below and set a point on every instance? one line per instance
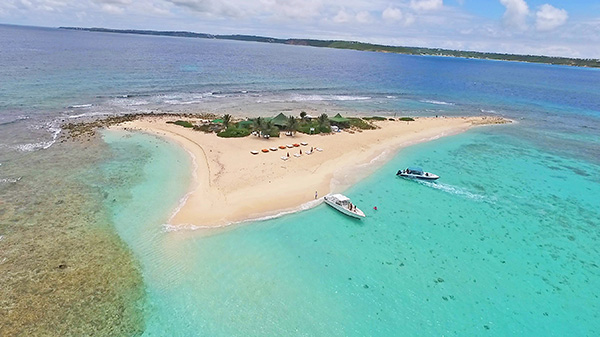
(455, 190)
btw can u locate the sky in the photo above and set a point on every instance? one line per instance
(568, 28)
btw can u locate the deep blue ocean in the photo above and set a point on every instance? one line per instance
(504, 244)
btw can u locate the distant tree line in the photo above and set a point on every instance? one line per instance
(363, 47)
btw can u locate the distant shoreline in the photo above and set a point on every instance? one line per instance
(232, 185)
(361, 46)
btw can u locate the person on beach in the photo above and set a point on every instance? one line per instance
(316, 194)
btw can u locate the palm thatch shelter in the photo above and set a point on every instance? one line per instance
(339, 120)
(246, 124)
(280, 121)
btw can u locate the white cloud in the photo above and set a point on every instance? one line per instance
(392, 14)
(426, 5)
(549, 17)
(342, 17)
(363, 17)
(214, 8)
(516, 13)
(292, 9)
(43, 5)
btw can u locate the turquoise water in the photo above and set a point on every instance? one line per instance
(504, 244)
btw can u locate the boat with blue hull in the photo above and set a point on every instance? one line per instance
(415, 172)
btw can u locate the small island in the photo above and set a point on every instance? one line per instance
(249, 169)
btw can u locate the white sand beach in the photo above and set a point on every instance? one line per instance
(232, 185)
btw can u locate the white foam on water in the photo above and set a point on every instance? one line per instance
(185, 198)
(191, 227)
(173, 102)
(11, 121)
(313, 98)
(80, 106)
(431, 101)
(89, 114)
(454, 190)
(10, 180)
(302, 98)
(51, 127)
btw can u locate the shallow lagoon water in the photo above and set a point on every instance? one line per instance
(489, 248)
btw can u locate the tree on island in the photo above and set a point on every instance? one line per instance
(303, 115)
(292, 124)
(323, 120)
(267, 127)
(226, 120)
(258, 123)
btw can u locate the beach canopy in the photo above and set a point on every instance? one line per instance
(280, 120)
(415, 169)
(217, 121)
(340, 197)
(245, 124)
(339, 119)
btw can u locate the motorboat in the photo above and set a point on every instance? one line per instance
(343, 204)
(416, 173)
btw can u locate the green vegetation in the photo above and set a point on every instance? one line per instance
(233, 132)
(406, 119)
(292, 124)
(226, 120)
(265, 127)
(365, 47)
(375, 118)
(305, 127)
(361, 124)
(185, 124)
(274, 132)
(246, 124)
(203, 128)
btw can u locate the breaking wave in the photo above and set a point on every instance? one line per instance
(431, 101)
(53, 128)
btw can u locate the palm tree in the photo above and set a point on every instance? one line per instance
(302, 114)
(265, 127)
(292, 124)
(258, 122)
(226, 120)
(323, 120)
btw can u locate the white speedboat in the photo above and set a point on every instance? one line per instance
(416, 173)
(343, 204)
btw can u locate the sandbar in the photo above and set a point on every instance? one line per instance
(231, 185)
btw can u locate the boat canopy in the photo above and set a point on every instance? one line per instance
(340, 197)
(415, 170)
